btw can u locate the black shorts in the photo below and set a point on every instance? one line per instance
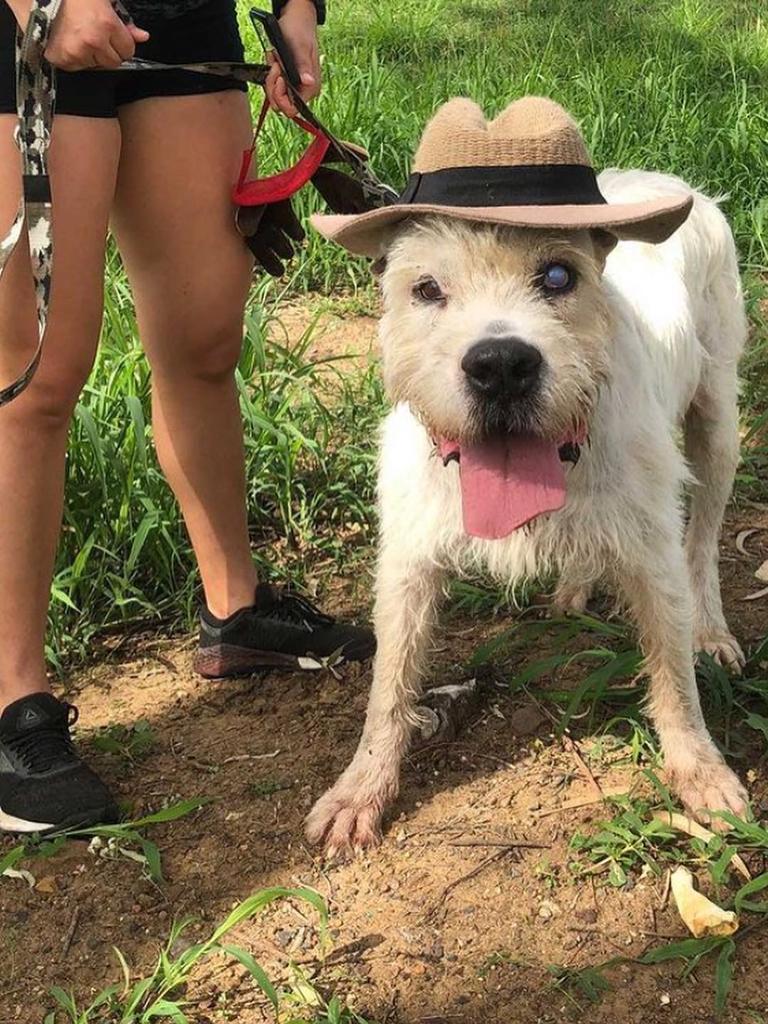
(208, 32)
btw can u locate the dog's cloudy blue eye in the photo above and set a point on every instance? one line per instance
(556, 277)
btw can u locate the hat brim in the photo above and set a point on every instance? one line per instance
(652, 221)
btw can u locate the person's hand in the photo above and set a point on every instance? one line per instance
(298, 24)
(88, 34)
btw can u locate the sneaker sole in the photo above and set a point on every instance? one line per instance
(10, 823)
(224, 660)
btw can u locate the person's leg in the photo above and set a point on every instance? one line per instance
(190, 272)
(33, 428)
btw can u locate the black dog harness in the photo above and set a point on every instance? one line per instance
(264, 215)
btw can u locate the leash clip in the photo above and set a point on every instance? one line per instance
(377, 192)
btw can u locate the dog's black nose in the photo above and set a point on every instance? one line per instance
(502, 367)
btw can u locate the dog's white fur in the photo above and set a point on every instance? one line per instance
(637, 352)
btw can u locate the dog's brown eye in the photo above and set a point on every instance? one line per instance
(428, 289)
(556, 278)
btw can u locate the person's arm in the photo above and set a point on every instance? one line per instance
(85, 34)
(298, 23)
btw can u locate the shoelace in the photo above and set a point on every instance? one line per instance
(42, 748)
(294, 608)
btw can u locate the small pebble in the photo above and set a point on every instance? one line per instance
(547, 910)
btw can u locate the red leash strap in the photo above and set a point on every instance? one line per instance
(277, 187)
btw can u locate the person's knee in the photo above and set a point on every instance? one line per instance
(205, 353)
(51, 397)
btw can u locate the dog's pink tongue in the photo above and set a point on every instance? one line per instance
(506, 483)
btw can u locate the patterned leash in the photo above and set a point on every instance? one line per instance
(35, 101)
(35, 98)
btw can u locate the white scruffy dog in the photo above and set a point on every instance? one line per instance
(563, 346)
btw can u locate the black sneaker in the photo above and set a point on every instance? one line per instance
(43, 783)
(280, 629)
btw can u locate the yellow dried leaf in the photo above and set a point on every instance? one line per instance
(701, 916)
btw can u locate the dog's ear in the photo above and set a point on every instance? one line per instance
(602, 242)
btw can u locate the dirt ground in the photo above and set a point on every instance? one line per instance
(440, 925)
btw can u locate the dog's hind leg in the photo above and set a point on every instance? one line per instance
(657, 590)
(349, 815)
(712, 448)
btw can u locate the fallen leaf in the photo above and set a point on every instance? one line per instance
(757, 594)
(701, 916)
(46, 885)
(762, 572)
(23, 875)
(683, 823)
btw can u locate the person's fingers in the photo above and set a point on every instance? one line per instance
(273, 77)
(310, 85)
(139, 34)
(62, 61)
(122, 42)
(283, 101)
(109, 57)
(105, 56)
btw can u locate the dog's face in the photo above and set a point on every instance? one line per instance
(492, 330)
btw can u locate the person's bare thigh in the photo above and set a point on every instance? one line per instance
(83, 164)
(174, 220)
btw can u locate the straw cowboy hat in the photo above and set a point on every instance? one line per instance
(529, 167)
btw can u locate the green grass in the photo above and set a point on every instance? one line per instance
(589, 984)
(131, 743)
(162, 993)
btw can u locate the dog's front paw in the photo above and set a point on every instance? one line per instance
(723, 647)
(708, 787)
(347, 819)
